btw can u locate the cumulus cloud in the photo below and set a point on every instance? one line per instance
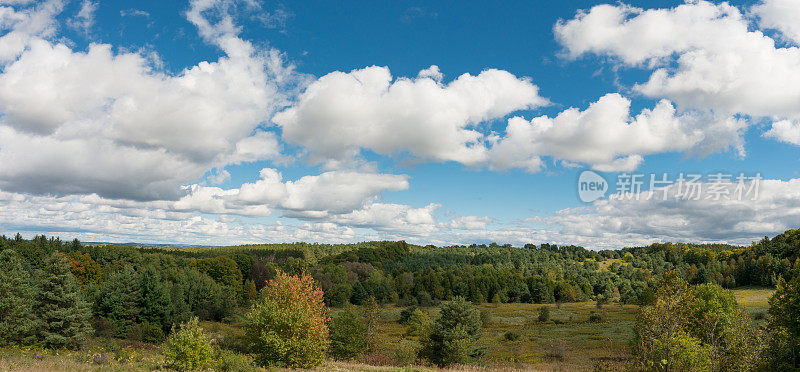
(331, 205)
(714, 212)
(341, 113)
(91, 218)
(21, 22)
(703, 56)
(785, 131)
(608, 138)
(781, 15)
(110, 123)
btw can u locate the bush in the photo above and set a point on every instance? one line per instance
(228, 360)
(189, 348)
(595, 317)
(486, 317)
(557, 351)
(348, 335)
(544, 314)
(511, 336)
(419, 324)
(104, 327)
(151, 333)
(424, 299)
(134, 332)
(454, 334)
(287, 325)
(405, 314)
(406, 352)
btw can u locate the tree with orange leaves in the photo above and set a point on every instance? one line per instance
(287, 325)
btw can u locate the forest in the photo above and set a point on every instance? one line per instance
(303, 305)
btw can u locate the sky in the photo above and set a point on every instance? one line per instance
(217, 122)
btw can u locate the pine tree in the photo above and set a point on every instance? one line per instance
(60, 307)
(453, 335)
(17, 322)
(119, 300)
(154, 302)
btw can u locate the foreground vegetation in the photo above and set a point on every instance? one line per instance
(568, 341)
(75, 307)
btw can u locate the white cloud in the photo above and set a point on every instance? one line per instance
(218, 176)
(702, 55)
(469, 223)
(332, 192)
(134, 12)
(431, 72)
(612, 223)
(769, 208)
(395, 218)
(781, 15)
(608, 138)
(21, 25)
(110, 123)
(785, 131)
(84, 20)
(342, 113)
(91, 218)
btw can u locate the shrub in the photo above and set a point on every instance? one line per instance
(134, 332)
(419, 324)
(189, 348)
(486, 317)
(454, 334)
(686, 353)
(595, 317)
(228, 360)
(557, 351)
(511, 336)
(151, 333)
(406, 352)
(424, 299)
(348, 335)
(287, 325)
(405, 314)
(544, 314)
(104, 327)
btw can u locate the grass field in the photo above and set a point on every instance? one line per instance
(567, 342)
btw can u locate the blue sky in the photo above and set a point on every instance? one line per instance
(128, 111)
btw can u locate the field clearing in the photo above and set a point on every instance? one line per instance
(754, 299)
(567, 342)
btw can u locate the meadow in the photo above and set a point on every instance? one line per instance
(513, 339)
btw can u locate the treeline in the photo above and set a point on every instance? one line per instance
(212, 282)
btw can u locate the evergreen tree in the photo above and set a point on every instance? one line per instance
(17, 323)
(154, 301)
(119, 300)
(454, 334)
(60, 306)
